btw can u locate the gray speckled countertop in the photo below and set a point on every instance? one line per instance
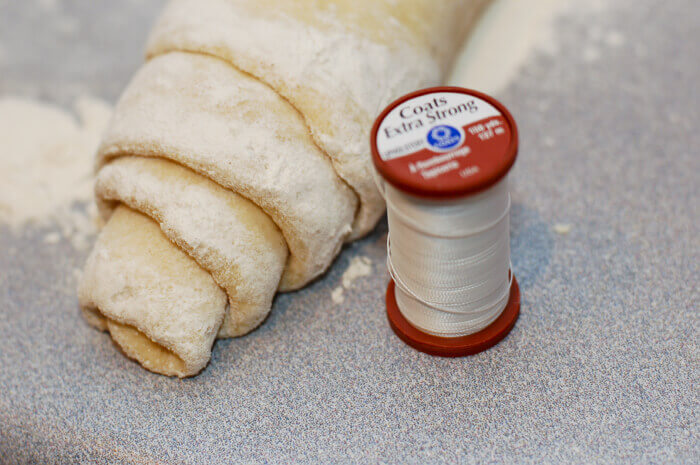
(602, 366)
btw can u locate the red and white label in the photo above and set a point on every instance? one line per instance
(442, 140)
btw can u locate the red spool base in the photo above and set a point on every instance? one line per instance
(454, 346)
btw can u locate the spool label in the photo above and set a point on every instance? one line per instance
(442, 141)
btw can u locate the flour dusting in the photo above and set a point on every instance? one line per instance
(509, 33)
(562, 228)
(46, 165)
(337, 295)
(358, 268)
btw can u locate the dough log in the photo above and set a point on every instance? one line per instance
(237, 161)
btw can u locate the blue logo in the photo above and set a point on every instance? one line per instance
(444, 137)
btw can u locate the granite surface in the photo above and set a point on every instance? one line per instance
(602, 366)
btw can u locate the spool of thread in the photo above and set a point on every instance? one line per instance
(442, 158)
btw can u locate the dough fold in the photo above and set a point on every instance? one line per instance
(159, 306)
(223, 232)
(204, 114)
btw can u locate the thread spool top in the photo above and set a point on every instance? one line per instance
(444, 142)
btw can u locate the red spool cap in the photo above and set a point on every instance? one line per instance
(446, 143)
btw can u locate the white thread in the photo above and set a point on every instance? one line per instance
(450, 260)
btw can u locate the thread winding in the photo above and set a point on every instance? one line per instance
(450, 260)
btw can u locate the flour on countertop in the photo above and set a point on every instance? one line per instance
(338, 295)
(510, 32)
(358, 268)
(46, 165)
(562, 228)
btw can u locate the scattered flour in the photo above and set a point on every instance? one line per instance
(562, 229)
(509, 33)
(46, 165)
(359, 267)
(337, 295)
(52, 238)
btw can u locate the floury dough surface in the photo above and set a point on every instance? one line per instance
(600, 368)
(336, 63)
